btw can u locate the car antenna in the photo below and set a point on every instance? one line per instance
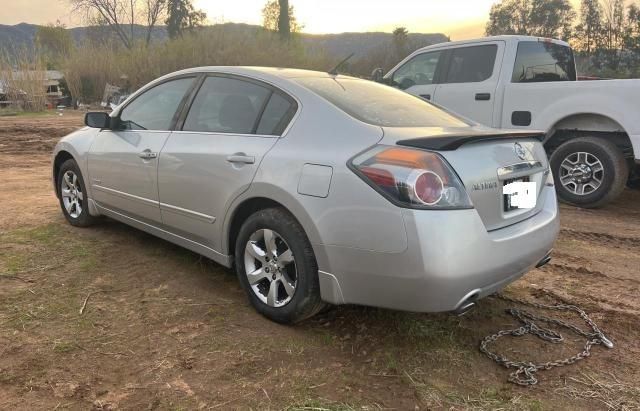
(334, 71)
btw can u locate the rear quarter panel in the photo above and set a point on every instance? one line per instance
(352, 214)
(551, 102)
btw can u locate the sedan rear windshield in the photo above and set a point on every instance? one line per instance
(379, 104)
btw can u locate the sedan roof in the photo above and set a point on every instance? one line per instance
(287, 73)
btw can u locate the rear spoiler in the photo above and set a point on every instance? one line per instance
(448, 142)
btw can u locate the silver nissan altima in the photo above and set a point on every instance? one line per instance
(318, 188)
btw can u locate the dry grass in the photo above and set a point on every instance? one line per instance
(22, 77)
(89, 68)
(607, 390)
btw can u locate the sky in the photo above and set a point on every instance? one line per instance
(459, 19)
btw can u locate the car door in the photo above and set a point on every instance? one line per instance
(123, 161)
(470, 79)
(418, 76)
(230, 125)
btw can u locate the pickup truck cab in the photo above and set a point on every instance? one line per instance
(521, 82)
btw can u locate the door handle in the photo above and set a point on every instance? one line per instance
(147, 155)
(241, 158)
(426, 96)
(483, 96)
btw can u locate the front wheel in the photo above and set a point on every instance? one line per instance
(73, 195)
(589, 172)
(277, 268)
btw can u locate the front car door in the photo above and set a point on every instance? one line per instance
(470, 80)
(418, 76)
(230, 125)
(123, 161)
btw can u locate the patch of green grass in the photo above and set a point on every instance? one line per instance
(14, 262)
(432, 332)
(46, 235)
(11, 112)
(85, 254)
(320, 405)
(64, 347)
(6, 378)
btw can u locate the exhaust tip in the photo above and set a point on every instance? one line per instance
(544, 261)
(467, 304)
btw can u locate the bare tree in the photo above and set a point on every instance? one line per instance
(122, 16)
(155, 10)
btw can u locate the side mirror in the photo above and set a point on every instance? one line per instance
(97, 119)
(378, 75)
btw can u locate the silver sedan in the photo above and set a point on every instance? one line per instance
(317, 188)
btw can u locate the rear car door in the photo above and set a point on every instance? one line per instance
(213, 155)
(123, 161)
(470, 79)
(418, 76)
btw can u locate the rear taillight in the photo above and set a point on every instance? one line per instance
(412, 178)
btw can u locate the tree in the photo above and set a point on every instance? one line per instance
(284, 24)
(400, 42)
(543, 18)
(632, 32)
(122, 16)
(182, 16)
(271, 17)
(589, 28)
(54, 42)
(614, 23)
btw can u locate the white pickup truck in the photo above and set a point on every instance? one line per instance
(519, 82)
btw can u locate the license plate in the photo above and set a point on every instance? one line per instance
(507, 197)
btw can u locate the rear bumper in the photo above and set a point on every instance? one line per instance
(450, 257)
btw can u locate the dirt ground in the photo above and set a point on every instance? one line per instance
(166, 329)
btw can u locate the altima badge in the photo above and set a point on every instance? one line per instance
(520, 151)
(485, 185)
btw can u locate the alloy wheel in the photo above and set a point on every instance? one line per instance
(581, 173)
(71, 192)
(270, 268)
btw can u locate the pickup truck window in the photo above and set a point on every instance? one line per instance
(471, 64)
(378, 104)
(543, 61)
(419, 71)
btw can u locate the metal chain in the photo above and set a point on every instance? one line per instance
(525, 371)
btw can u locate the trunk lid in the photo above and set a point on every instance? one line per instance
(485, 160)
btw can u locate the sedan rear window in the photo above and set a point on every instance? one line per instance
(379, 104)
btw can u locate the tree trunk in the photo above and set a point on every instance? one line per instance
(284, 25)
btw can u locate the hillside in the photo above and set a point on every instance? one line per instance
(338, 45)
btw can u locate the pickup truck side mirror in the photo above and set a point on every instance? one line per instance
(97, 119)
(378, 75)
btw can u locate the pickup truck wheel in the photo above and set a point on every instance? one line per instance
(589, 171)
(277, 268)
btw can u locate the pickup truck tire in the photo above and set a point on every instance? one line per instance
(589, 172)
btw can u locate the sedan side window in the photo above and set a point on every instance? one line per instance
(277, 115)
(227, 105)
(472, 64)
(420, 70)
(155, 108)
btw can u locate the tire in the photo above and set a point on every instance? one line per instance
(596, 154)
(301, 272)
(77, 216)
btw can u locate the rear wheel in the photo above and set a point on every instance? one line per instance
(73, 198)
(277, 268)
(589, 172)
